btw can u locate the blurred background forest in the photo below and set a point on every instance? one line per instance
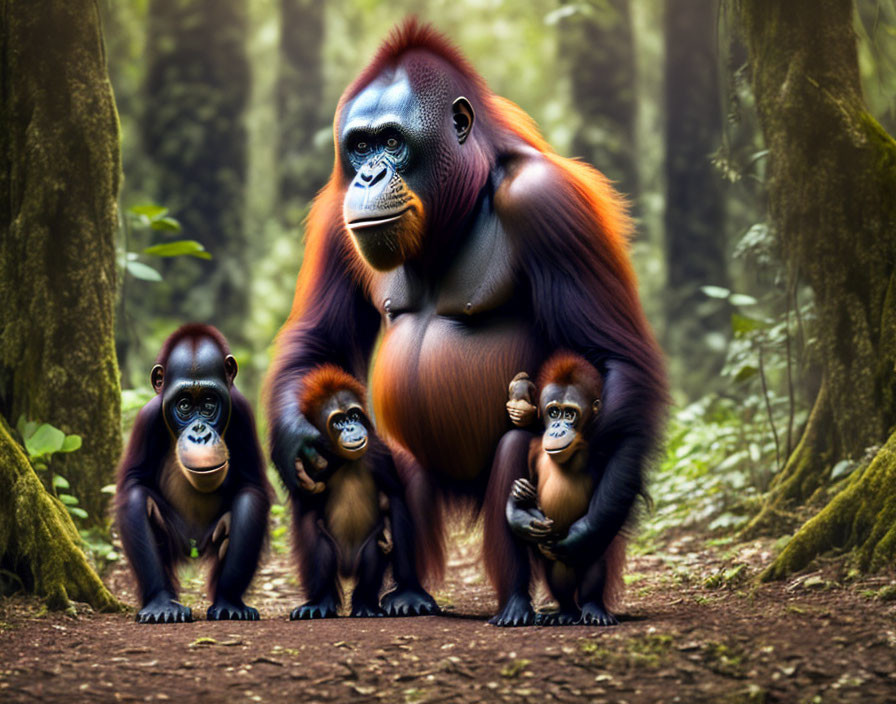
(225, 110)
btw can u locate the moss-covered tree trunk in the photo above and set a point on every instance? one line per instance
(695, 244)
(597, 44)
(39, 544)
(303, 158)
(59, 177)
(195, 95)
(832, 193)
(58, 186)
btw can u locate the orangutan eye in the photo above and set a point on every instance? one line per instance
(209, 406)
(554, 413)
(569, 415)
(362, 148)
(392, 143)
(184, 406)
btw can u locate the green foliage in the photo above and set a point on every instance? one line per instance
(724, 449)
(42, 441)
(178, 248)
(155, 218)
(279, 527)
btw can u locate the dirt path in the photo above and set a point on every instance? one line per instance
(689, 634)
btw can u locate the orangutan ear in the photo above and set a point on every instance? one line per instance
(463, 118)
(157, 377)
(230, 368)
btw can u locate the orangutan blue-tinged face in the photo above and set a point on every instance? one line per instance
(397, 143)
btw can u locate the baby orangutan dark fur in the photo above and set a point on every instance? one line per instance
(193, 475)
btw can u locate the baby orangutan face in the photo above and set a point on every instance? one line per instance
(567, 412)
(346, 423)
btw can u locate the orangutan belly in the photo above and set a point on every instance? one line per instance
(439, 387)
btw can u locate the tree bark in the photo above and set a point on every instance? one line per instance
(59, 182)
(831, 195)
(59, 178)
(304, 160)
(695, 195)
(598, 47)
(39, 544)
(195, 95)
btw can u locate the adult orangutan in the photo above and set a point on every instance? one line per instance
(453, 229)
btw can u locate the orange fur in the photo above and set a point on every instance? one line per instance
(570, 369)
(447, 411)
(608, 207)
(412, 34)
(322, 382)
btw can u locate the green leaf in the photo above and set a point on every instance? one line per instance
(560, 13)
(842, 468)
(741, 324)
(742, 299)
(60, 482)
(715, 291)
(108, 489)
(746, 372)
(168, 224)
(152, 212)
(141, 271)
(77, 512)
(26, 428)
(179, 248)
(45, 441)
(71, 443)
(68, 499)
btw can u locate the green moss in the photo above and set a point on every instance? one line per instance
(57, 248)
(647, 650)
(39, 540)
(801, 476)
(724, 659)
(861, 516)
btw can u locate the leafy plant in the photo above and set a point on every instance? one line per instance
(724, 449)
(155, 217)
(42, 441)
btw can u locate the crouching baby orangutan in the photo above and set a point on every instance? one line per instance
(192, 477)
(341, 510)
(560, 488)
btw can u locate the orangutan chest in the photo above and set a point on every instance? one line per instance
(563, 495)
(352, 505)
(196, 508)
(439, 387)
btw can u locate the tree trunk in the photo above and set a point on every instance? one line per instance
(59, 177)
(832, 185)
(195, 96)
(695, 195)
(39, 544)
(598, 46)
(304, 160)
(58, 187)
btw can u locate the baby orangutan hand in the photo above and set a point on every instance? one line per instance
(306, 482)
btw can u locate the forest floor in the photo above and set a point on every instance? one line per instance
(694, 628)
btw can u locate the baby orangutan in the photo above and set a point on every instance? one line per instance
(541, 511)
(341, 519)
